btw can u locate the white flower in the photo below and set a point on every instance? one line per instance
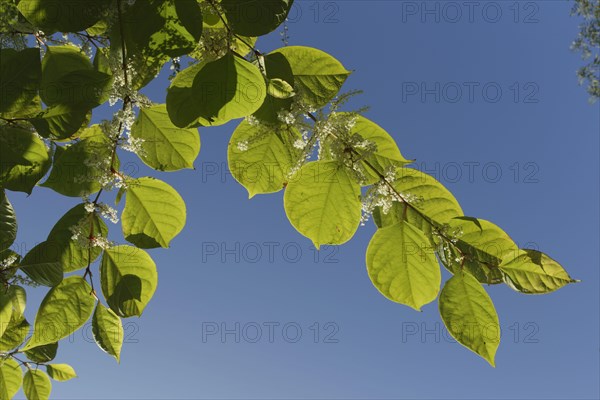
(299, 144)
(286, 117)
(109, 213)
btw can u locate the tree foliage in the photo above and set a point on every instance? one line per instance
(588, 43)
(337, 169)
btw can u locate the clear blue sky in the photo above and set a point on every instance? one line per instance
(525, 158)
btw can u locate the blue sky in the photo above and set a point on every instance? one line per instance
(487, 101)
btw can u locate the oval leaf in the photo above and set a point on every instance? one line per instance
(36, 385)
(11, 378)
(61, 372)
(402, 265)
(322, 201)
(65, 309)
(261, 157)
(154, 213)
(533, 272)
(165, 147)
(129, 278)
(470, 316)
(108, 331)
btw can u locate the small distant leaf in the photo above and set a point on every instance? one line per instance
(165, 147)
(402, 265)
(260, 157)
(154, 213)
(535, 273)
(108, 331)
(36, 385)
(61, 372)
(129, 278)
(64, 310)
(280, 89)
(470, 316)
(43, 354)
(11, 378)
(323, 203)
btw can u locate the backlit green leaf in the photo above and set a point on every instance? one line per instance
(8, 222)
(43, 354)
(61, 15)
(61, 372)
(108, 331)
(322, 201)
(129, 278)
(165, 147)
(36, 385)
(470, 316)
(20, 73)
(11, 378)
(64, 310)
(154, 213)
(535, 273)
(261, 157)
(402, 265)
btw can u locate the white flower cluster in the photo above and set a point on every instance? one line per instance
(8, 262)
(287, 117)
(80, 233)
(133, 145)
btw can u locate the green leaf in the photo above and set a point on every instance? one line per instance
(402, 265)
(64, 310)
(129, 278)
(15, 333)
(69, 77)
(387, 154)
(255, 17)
(533, 272)
(108, 331)
(36, 385)
(318, 76)
(322, 201)
(20, 73)
(280, 89)
(63, 16)
(19, 299)
(6, 309)
(470, 316)
(165, 147)
(277, 68)
(43, 354)
(153, 33)
(261, 157)
(482, 241)
(61, 372)
(73, 256)
(8, 222)
(429, 196)
(190, 16)
(220, 91)
(154, 213)
(11, 378)
(25, 159)
(43, 264)
(61, 121)
(77, 168)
